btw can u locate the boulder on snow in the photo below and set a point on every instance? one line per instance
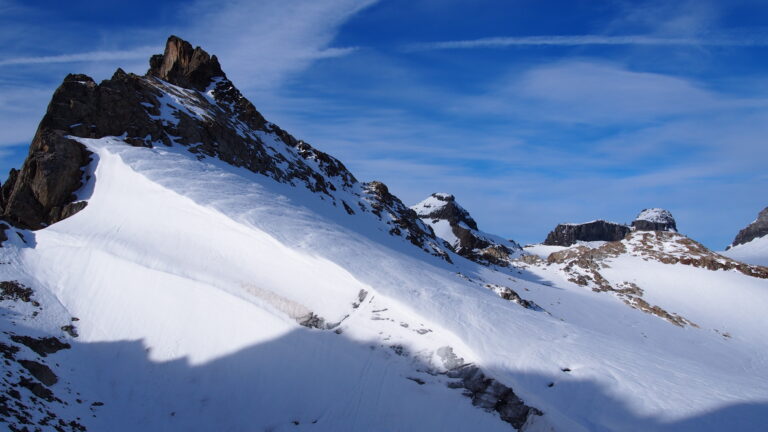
(599, 230)
(654, 219)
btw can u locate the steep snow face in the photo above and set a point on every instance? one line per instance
(753, 252)
(189, 278)
(452, 223)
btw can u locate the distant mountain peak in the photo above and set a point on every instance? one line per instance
(655, 219)
(442, 205)
(455, 225)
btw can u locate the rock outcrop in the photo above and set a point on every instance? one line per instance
(757, 229)
(185, 66)
(599, 230)
(654, 219)
(453, 223)
(42, 192)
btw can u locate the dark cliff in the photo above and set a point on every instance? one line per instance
(599, 230)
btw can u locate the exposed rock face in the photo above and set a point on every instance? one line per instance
(185, 66)
(654, 219)
(492, 396)
(185, 98)
(454, 224)
(445, 208)
(43, 190)
(757, 229)
(486, 392)
(599, 230)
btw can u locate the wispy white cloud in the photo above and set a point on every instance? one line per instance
(580, 40)
(262, 44)
(589, 91)
(92, 56)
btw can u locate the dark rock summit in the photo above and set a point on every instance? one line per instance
(654, 219)
(185, 66)
(757, 229)
(446, 208)
(599, 230)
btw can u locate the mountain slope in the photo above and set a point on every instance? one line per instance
(212, 294)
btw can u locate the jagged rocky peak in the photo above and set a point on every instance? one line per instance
(758, 228)
(654, 219)
(185, 66)
(452, 223)
(599, 230)
(444, 206)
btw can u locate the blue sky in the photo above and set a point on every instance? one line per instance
(530, 112)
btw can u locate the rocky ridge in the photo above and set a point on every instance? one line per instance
(184, 99)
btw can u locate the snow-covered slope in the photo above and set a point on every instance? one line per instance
(198, 294)
(188, 307)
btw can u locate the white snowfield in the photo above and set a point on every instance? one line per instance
(188, 278)
(753, 252)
